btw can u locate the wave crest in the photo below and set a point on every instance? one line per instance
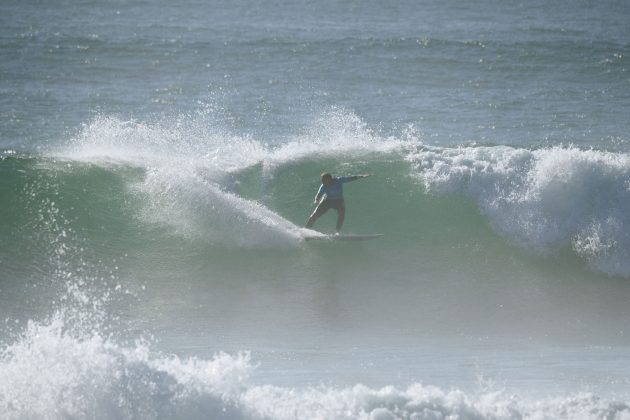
(543, 199)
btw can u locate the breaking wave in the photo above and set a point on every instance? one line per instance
(50, 373)
(543, 199)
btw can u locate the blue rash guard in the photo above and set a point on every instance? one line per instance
(334, 191)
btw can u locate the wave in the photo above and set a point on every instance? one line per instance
(543, 199)
(52, 373)
(191, 170)
(196, 183)
(201, 182)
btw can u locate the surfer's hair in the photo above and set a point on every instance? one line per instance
(325, 175)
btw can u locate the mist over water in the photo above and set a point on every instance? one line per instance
(158, 163)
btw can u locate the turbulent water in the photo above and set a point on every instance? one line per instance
(158, 162)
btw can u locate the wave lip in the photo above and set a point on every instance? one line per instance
(543, 199)
(198, 142)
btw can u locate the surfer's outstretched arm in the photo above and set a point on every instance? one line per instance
(353, 178)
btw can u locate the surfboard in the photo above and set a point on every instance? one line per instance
(342, 237)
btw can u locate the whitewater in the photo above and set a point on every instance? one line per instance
(158, 162)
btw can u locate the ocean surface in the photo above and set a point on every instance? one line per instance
(158, 161)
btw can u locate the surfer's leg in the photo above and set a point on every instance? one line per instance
(311, 220)
(319, 210)
(341, 214)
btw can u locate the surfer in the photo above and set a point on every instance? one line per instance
(330, 196)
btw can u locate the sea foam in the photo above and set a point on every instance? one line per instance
(543, 199)
(51, 373)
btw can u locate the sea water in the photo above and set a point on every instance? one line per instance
(159, 159)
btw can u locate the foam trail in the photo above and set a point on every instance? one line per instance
(199, 208)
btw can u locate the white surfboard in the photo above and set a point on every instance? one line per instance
(316, 236)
